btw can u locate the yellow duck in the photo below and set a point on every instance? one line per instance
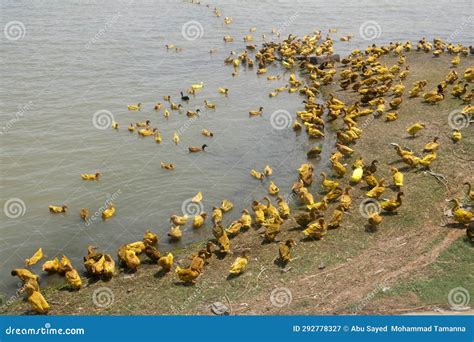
(226, 205)
(37, 256)
(198, 220)
(58, 209)
(328, 184)
(284, 251)
(375, 219)
(91, 176)
(175, 233)
(137, 106)
(461, 215)
(209, 104)
(257, 175)
(397, 177)
(166, 262)
(115, 125)
(198, 86)
(283, 207)
(131, 127)
(392, 204)
(224, 91)
(357, 175)
(456, 135)
(273, 189)
(239, 265)
(432, 146)
(175, 138)
(378, 190)
(187, 275)
(415, 128)
(345, 201)
(216, 215)
(109, 212)
(207, 133)
(179, 220)
(37, 301)
(51, 266)
(316, 229)
(73, 278)
(167, 166)
(256, 112)
(336, 218)
(158, 137)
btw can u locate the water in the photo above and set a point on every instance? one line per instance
(80, 57)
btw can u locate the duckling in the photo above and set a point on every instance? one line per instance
(316, 229)
(257, 175)
(455, 61)
(283, 208)
(267, 171)
(456, 135)
(37, 256)
(461, 215)
(432, 146)
(178, 220)
(137, 106)
(226, 205)
(198, 262)
(115, 125)
(375, 219)
(158, 137)
(166, 113)
(328, 184)
(395, 103)
(51, 266)
(24, 275)
(35, 298)
(314, 152)
(191, 113)
(167, 166)
(224, 91)
(58, 209)
(336, 218)
(109, 212)
(239, 265)
(194, 149)
(175, 233)
(150, 238)
(234, 228)
(198, 220)
(469, 192)
(175, 106)
(131, 127)
(256, 112)
(397, 177)
(91, 176)
(187, 275)
(392, 116)
(345, 201)
(216, 215)
(415, 128)
(357, 175)
(378, 190)
(157, 106)
(271, 231)
(273, 189)
(175, 138)
(392, 204)
(143, 123)
(209, 105)
(345, 150)
(166, 261)
(73, 278)
(197, 86)
(284, 251)
(207, 133)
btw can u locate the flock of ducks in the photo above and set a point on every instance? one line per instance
(379, 89)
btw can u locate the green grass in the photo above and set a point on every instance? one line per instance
(452, 269)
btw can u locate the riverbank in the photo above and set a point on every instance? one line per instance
(344, 272)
